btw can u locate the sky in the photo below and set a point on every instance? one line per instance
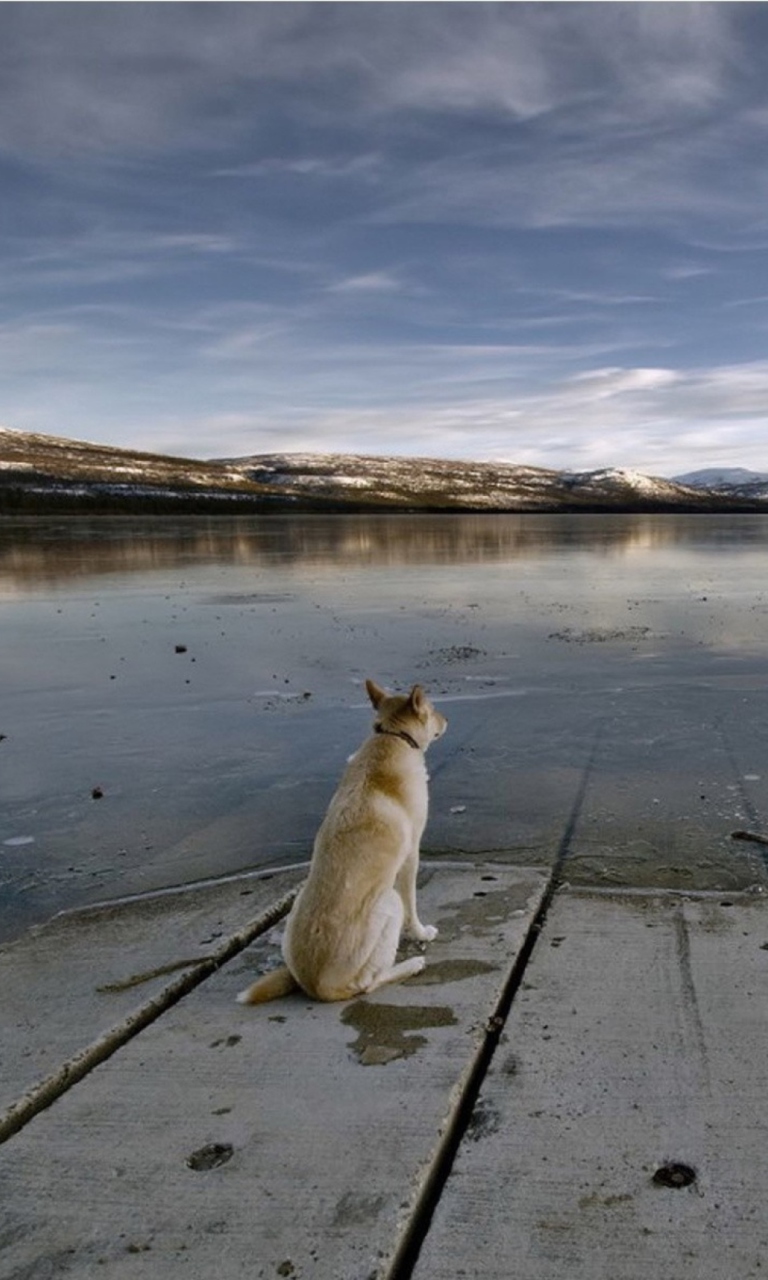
(532, 232)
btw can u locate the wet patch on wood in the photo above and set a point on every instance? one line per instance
(483, 914)
(386, 1032)
(450, 971)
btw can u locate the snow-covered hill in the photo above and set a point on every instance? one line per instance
(448, 485)
(733, 481)
(40, 472)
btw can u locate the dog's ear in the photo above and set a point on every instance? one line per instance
(375, 694)
(417, 698)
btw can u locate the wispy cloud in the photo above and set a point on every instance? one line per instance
(369, 282)
(321, 167)
(128, 77)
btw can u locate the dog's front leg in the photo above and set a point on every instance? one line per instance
(406, 887)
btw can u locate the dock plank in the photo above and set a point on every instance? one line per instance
(638, 1041)
(85, 974)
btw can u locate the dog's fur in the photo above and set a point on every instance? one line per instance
(343, 930)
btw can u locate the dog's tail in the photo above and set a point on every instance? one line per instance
(280, 982)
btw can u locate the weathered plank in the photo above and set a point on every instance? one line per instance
(637, 1042)
(86, 977)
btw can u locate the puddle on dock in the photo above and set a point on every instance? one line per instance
(386, 1032)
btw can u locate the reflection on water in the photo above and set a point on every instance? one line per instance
(44, 551)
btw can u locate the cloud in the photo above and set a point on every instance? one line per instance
(150, 75)
(588, 178)
(370, 282)
(598, 115)
(244, 343)
(621, 64)
(618, 382)
(685, 271)
(109, 256)
(593, 297)
(323, 167)
(140, 76)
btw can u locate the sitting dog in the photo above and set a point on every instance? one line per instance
(343, 931)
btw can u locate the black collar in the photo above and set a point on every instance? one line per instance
(398, 733)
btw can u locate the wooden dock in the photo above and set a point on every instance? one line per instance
(574, 1087)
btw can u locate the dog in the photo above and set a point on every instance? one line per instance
(343, 930)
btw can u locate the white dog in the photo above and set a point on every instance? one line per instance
(344, 928)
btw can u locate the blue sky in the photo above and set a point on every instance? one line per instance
(532, 232)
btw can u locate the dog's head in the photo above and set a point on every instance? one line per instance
(412, 714)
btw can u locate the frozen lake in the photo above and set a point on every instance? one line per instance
(178, 697)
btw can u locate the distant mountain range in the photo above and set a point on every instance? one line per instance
(40, 473)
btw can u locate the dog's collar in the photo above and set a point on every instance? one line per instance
(398, 733)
